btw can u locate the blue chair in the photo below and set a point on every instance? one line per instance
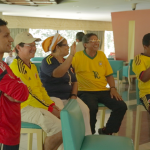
(73, 131)
(31, 128)
(110, 58)
(117, 67)
(37, 64)
(139, 110)
(127, 71)
(37, 58)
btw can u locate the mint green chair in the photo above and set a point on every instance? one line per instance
(139, 110)
(3, 59)
(37, 58)
(37, 64)
(31, 128)
(117, 67)
(110, 58)
(127, 71)
(73, 131)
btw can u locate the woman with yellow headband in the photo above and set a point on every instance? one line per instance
(58, 77)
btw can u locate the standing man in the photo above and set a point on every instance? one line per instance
(12, 92)
(93, 72)
(141, 67)
(39, 108)
(79, 46)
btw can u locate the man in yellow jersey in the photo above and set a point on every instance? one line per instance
(93, 72)
(39, 108)
(141, 67)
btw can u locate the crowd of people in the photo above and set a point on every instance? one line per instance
(82, 76)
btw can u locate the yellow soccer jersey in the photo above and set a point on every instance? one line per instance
(38, 96)
(91, 72)
(141, 63)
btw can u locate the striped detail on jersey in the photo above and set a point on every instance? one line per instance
(48, 59)
(3, 74)
(41, 101)
(145, 102)
(21, 66)
(137, 60)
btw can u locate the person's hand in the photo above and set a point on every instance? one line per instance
(73, 49)
(54, 106)
(115, 94)
(56, 111)
(11, 99)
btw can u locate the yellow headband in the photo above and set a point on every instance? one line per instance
(50, 43)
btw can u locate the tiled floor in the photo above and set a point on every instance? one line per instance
(128, 124)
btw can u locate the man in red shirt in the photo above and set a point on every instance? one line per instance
(12, 92)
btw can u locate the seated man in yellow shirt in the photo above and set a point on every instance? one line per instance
(93, 72)
(141, 67)
(39, 108)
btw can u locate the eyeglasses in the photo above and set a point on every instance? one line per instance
(93, 41)
(30, 45)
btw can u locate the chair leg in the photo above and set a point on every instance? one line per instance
(30, 138)
(137, 127)
(129, 123)
(129, 80)
(102, 118)
(44, 136)
(40, 140)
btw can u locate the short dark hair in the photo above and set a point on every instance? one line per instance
(146, 39)
(87, 36)
(79, 36)
(20, 44)
(3, 22)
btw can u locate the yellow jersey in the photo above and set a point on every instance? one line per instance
(38, 96)
(91, 72)
(141, 63)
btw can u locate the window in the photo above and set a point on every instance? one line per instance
(109, 43)
(70, 35)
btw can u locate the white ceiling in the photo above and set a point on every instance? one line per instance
(99, 10)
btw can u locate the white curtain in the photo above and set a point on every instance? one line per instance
(56, 24)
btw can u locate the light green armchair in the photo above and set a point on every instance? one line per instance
(127, 71)
(73, 131)
(117, 67)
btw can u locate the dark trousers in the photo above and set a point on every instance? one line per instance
(92, 98)
(11, 147)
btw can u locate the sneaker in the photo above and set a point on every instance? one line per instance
(102, 131)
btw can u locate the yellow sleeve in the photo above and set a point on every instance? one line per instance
(138, 65)
(35, 98)
(45, 95)
(109, 70)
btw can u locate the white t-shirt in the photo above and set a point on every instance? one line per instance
(79, 47)
(8, 60)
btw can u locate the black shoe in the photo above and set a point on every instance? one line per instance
(103, 131)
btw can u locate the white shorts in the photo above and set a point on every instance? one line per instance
(46, 120)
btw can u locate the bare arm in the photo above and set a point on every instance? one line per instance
(63, 68)
(146, 75)
(111, 81)
(74, 90)
(113, 91)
